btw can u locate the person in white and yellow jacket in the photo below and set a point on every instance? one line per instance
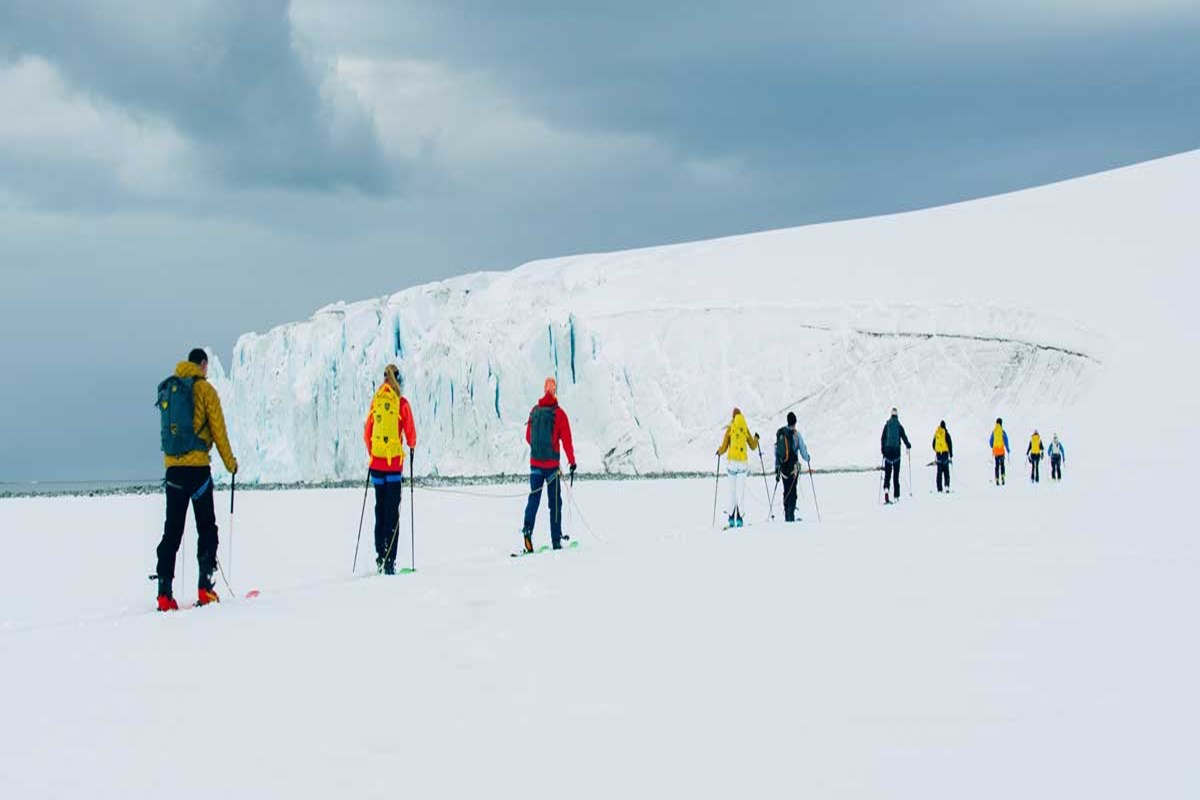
(737, 443)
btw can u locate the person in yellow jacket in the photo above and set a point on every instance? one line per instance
(192, 422)
(1034, 453)
(737, 442)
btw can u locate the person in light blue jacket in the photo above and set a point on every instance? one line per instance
(1057, 456)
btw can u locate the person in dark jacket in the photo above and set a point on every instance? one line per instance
(547, 429)
(943, 453)
(889, 444)
(789, 449)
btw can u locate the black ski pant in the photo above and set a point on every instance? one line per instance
(186, 485)
(999, 467)
(943, 471)
(789, 493)
(1055, 468)
(389, 490)
(1035, 473)
(891, 474)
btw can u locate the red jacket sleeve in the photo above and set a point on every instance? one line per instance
(368, 428)
(410, 426)
(564, 435)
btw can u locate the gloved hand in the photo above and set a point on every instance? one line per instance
(232, 467)
(777, 476)
(572, 470)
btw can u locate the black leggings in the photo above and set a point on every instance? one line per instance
(1055, 468)
(389, 489)
(1035, 473)
(999, 467)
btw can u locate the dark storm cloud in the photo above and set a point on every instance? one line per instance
(231, 76)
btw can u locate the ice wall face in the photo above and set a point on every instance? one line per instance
(648, 374)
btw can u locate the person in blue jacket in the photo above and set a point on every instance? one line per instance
(789, 449)
(1057, 456)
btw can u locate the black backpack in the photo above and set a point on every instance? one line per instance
(541, 433)
(785, 451)
(177, 407)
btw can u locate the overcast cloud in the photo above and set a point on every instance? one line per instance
(178, 173)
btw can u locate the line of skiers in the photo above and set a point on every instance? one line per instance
(192, 422)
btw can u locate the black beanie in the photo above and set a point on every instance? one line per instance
(791, 418)
(198, 356)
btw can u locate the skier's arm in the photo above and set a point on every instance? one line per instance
(949, 446)
(724, 444)
(1029, 447)
(410, 425)
(883, 441)
(529, 429)
(216, 425)
(1007, 449)
(904, 436)
(368, 429)
(801, 448)
(564, 435)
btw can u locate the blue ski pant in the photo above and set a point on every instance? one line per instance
(538, 477)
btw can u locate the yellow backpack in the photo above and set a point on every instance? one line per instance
(939, 441)
(1035, 445)
(385, 433)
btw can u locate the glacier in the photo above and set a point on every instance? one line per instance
(648, 378)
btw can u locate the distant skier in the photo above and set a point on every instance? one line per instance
(1034, 453)
(999, 443)
(389, 425)
(191, 421)
(789, 449)
(889, 444)
(1057, 457)
(546, 429)
(737, 442)
(943, 452)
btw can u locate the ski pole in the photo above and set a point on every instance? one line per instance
(882, 481)
(361, 517)
(771, 508)
(814, 488)
(716, 486)
(232, 489)
(909, 453)
(763, 465)
(412, 512)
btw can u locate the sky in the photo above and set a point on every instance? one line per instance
(174, 175)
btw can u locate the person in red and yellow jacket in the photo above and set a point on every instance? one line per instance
(192, 423)
(547, 429)
(388, 427)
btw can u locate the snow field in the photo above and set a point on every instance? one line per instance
(990, 643)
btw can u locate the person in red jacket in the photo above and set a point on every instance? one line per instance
(389, 425)
(547, 428)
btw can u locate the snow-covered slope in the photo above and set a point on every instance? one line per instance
(958, 313)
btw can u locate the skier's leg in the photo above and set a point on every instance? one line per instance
(168, 547)
(731, 473)
(379, 482)
(554, 501)
(206, 528)
(896, 480)
(536, 479)
(394, 493)
(789, 495)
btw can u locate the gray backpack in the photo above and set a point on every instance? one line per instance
(176, 408)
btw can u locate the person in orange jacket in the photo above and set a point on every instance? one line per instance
(388, 427)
